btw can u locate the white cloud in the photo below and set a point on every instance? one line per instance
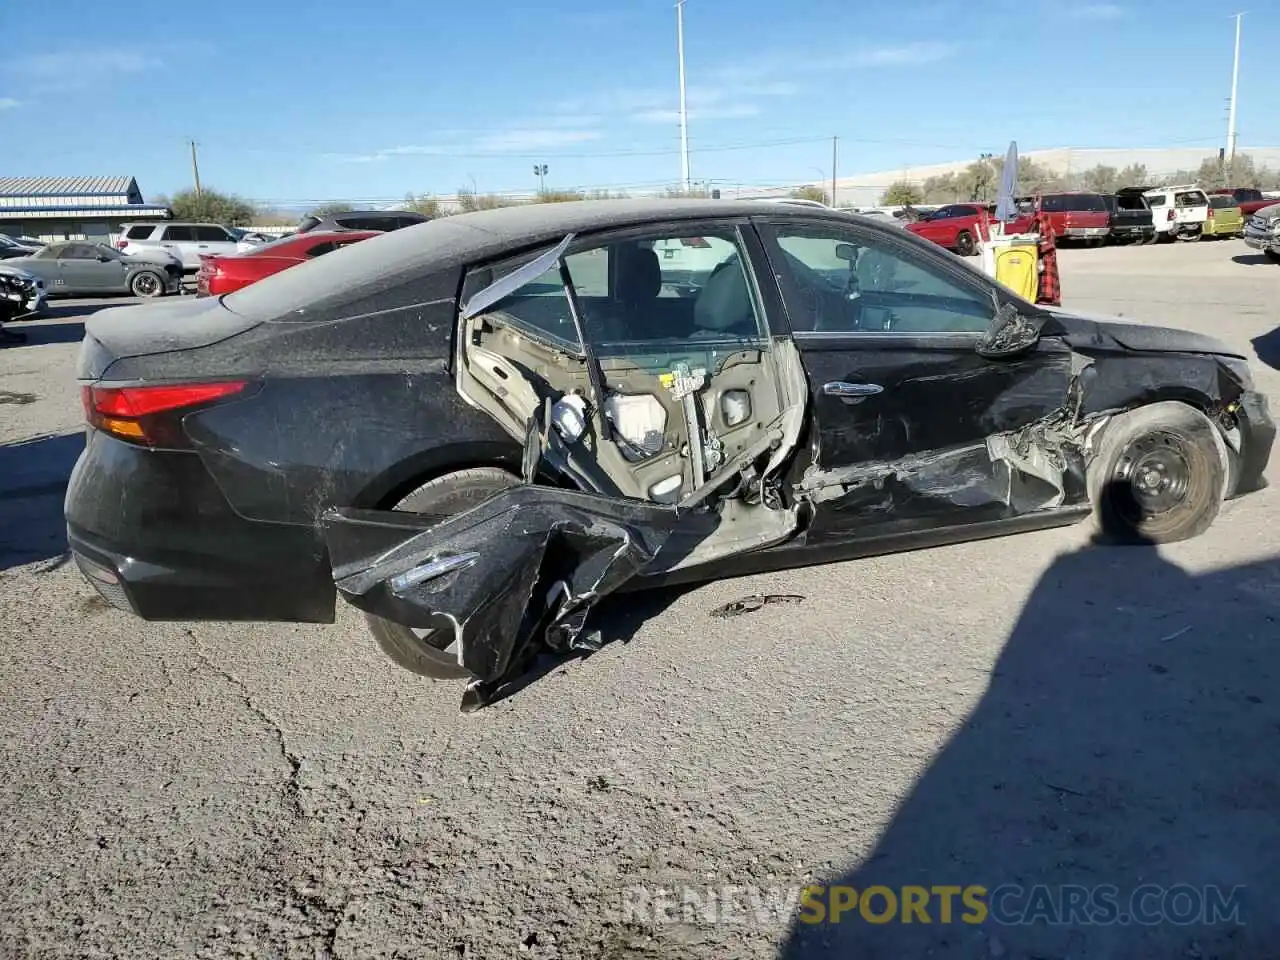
(727, 112)
(901, 55)
(67, 64)
(1096, 11)
(8, 103)
(513, 141)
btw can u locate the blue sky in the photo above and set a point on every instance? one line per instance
(306, 100)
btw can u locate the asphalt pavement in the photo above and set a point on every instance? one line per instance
(1028, 710)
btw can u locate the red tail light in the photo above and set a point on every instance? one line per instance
(1210, 213)
(151, 415)
(121, 244)
(697, 242)
(1172, 216)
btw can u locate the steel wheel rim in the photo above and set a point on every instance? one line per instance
(1157, 475)
(146, 285)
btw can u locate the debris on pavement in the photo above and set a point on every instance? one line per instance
(751, 604)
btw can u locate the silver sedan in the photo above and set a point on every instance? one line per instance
(79, 268)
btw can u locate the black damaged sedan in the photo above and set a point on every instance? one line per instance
(479, 426)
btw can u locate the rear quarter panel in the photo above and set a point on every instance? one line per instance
(350, 412)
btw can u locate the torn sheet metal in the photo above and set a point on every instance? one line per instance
(524, 566)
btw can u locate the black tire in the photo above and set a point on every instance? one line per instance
(965, 246)
(431, 653)
(1159, 476)
(147, 283)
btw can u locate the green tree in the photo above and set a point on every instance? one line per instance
(332, 207)
(210, 206)
(1134, 175)
(469, 201)
(809, 192)
(425, 204)
(1100, 179)
(559, 196)
(901, 193)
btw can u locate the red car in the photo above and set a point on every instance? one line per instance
(224, 274)
(955, 226)
(1074, 216)
(1248, 199)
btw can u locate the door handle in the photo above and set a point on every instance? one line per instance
(838, 388)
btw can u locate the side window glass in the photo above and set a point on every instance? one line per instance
(835, 282)
(179, 235)
(78, 251)
(639, 292)
(320, 249)
(211, 235)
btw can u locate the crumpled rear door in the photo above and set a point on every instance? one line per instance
(524, 566)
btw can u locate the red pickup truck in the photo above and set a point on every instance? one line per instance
(1073, 216)
(1248, 199)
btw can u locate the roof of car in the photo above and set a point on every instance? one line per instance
(467, 238)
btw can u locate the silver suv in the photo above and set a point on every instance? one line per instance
(186, 241)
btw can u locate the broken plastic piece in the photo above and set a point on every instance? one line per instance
(753, 603)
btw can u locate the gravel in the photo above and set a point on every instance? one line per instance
(1032, 710)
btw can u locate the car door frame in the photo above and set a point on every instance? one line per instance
(82, 275)
(1048, 369)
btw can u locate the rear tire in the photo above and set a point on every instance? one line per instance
(147, 284)
(1160, 475)
(965, 246)
(431, 653)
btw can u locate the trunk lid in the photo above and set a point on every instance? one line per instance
(147, 329)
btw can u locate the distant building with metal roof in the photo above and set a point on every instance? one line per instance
(72, 208)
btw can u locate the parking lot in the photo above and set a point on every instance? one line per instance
(1031, 710)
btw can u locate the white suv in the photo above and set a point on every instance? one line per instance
(1178, 212)
(186, 241)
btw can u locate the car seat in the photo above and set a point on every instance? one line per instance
(637, 283)
(723, 306)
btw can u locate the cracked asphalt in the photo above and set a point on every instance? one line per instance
(1030, 710)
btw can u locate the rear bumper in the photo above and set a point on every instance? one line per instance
(155, 537)
(1081, 232)
(1133, 230)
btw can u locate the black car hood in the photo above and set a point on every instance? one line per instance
(1085, 331)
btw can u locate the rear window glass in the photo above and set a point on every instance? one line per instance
(1191, 198)
(1219, 203)
(1079, 202)
(1130, 201)
(1157, 201)
(1244, 195)
(140, 233)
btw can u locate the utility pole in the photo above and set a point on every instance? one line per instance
(684, 115)
(835, 159)
(1235, 82)
(195, 167)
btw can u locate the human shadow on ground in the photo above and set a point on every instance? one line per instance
(1127, 738)
(39, 334)
(33, 482)
(1267, 347)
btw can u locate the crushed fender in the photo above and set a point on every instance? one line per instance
(522, 569)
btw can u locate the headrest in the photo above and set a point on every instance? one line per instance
(639, 274)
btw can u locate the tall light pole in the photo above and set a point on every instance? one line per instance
(541, 170)
(684, 114)
(1235, 82)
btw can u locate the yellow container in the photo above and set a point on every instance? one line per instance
(1017, 267)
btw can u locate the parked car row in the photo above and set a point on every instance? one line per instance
(1130, 215)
